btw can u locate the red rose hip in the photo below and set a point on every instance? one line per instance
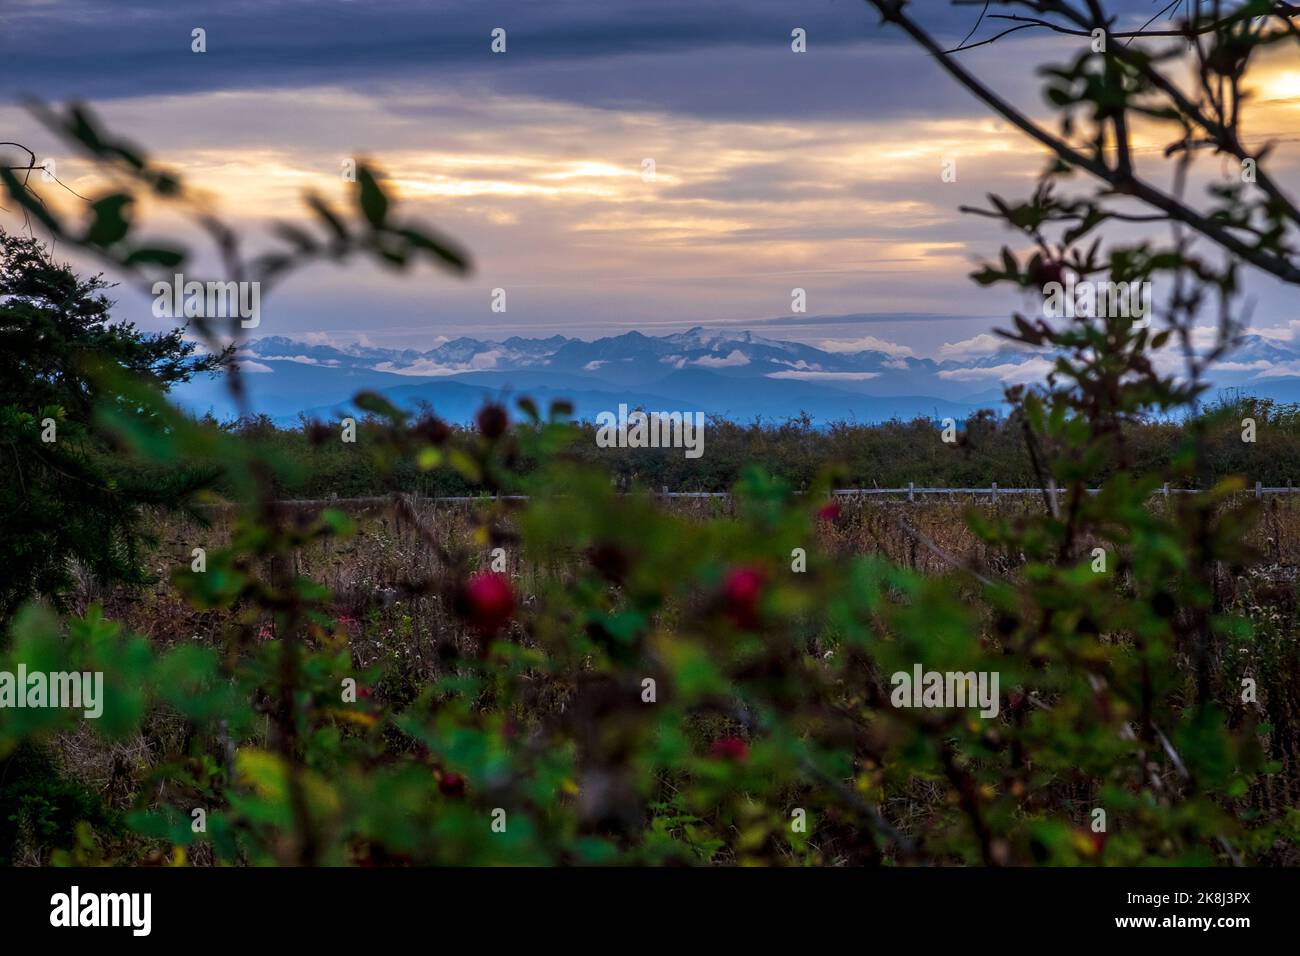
(489, 602)
(741, 591)
(452, 785)
(730, 748)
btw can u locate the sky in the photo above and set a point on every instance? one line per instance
(773, 170)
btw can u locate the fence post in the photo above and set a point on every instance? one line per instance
(911, 491)
(995, 492)
(1259, 493)
(1166, 491)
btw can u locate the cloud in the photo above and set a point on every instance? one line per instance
(1279, 333)
(868, 343)
(1034, 370)
(594, 54)
(428, 367)
(302, 360)
(342, 342)
(424, 367)
(736, 357)
(1280, 370)
(986, 343)
(255, 368)
(1255, 366)
(825, 376)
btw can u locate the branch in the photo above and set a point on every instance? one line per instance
(892, 11)
(1224, 135)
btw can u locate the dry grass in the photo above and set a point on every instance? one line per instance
(366, 574)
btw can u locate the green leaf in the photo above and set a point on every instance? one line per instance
(376, 404)
(111, 222)
(374, 204)
(145, 256)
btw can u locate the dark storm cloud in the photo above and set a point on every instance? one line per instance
(134, 47)
(727, 58)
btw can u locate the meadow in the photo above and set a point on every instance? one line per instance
(408, 640)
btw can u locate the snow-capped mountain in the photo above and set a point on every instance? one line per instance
(734, 374)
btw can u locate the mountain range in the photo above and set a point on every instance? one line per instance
(735, 375)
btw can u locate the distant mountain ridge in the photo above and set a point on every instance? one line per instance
(737, 375)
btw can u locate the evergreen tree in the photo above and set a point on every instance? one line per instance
(65, 496)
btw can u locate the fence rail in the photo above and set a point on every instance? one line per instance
(993, 491)
(910, 492)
